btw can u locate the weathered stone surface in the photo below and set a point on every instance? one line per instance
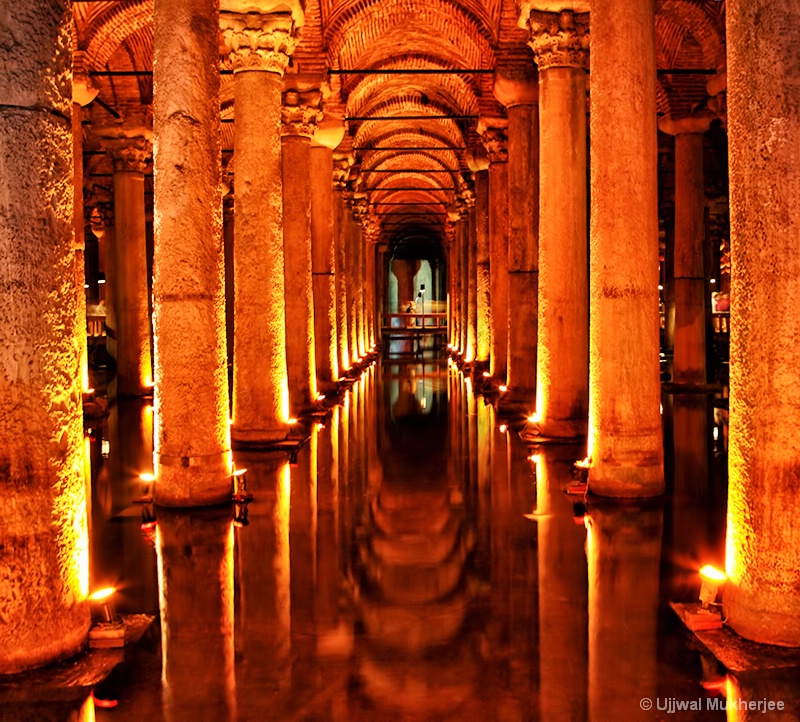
(44, 552)
(763, 554)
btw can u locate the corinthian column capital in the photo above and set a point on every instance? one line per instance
(494, 136)
(300, 112)
(559, 40)
(129, 154)
(259, 41)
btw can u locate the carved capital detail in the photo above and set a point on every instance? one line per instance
(259, 41)
(450, 232)
(559, 40)
(129, 154)
(495, 141)
(300, 112)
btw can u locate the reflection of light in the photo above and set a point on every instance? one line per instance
(503, 428)
(715, 433)
(732, 696)
(105, 448)
(502, 388)
(534, 458)
(86, 713)
(660, 287)
(486, 374)
(149, 383)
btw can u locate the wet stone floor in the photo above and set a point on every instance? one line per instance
(413, 561)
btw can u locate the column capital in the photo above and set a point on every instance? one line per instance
(468, 197)
(300, 112)
(371, 226)
(559, 40)
(695, 123)
(341, 170)
(516, 84)
(83, 91)
(259, 41)
(449, 231)
(129, 154)
(494, 136)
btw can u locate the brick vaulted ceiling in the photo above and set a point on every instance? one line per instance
(366, 37)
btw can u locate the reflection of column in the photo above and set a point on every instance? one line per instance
(689, 364)
(625, 443)
(300, 115)
(518, 90)
(560, 45)
(195, 573)
(623, 549)
(134, 368)
(563, 600)
(43, 511)
(763, 494)
(192, 438)
(323, 250)
(260, 393)
(494, 139)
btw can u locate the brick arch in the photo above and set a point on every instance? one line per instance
(435, 27)
(691, 15)
(110, 29)
(445, 129)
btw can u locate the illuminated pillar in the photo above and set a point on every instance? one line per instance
(454, 273)
(689, 365)
(518, 90)
(351, 271)
(463, 233)
(228, 239)
(300, 115)
(623, 550)
(495, 142)
(195, 575)
(104, 232)
(260, 386)
(361, 324)
(483, 309)
(370, 298)
(472, 278)
(624, 378)
(130, 150)
(323, 250)
(192, 446)
(763, 538)
(341, 169)
(560, 45)
(44, 551)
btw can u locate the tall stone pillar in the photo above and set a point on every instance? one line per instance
(493, 135)
(472, 278)
(300, 115)
(483, 316)
(104, 232)
(230, 285)
(372, 295)
(260, 46)
(625, 445)
(464, 240)
(517, 89)
(192, 444)
(44, 553)
(689, 365)
(323, 251)
(351, 241)
(453, 273)
(560, 44)
(763, 540)
(130, 149)
(340, 172)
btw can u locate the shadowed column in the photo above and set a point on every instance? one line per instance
(44, 550)
(625, 445)
(192, 446)
(340, 173)
(483, 311)
(560, 44)
(763, 540)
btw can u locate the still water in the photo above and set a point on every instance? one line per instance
(412, 561)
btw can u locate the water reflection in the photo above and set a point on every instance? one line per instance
(412, 560)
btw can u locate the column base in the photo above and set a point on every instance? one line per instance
(679, 387)
(555, 431)
(244, 438)
(765, 617)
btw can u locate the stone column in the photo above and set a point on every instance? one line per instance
(472, 279)
(260, 46)
(625, 444)
(454, 274)
(560, 44)
(192, 444)
(104, 232)
(763, 541)
(493, 135)
(479, 164)
(689, 365)
(44, 553)
(351, 263)
(130, 149)
(464, 232)
(340, 172)
(300, 115)
(230, 286)
(517, 89)
(323, 251)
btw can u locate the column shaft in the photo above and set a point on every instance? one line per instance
(523, 250)
(192, 446)
(351, 259)
(44, 552)
(562, 391)
(300, 353)
(472, 286)
(690, 283)
(323, 253)
(340, 231)
(625, 391)
(463, 232)
(134, 367)
(498, 252)
(483, 311)
(763, 540)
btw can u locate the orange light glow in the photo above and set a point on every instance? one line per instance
(503, 388)
(534, 418)
(148, 477)
(240, 472)
(584, 463)
(292, 421)
(102, 594)
(534, 458)
(712, 574)
(503, 428)
(486, 374)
